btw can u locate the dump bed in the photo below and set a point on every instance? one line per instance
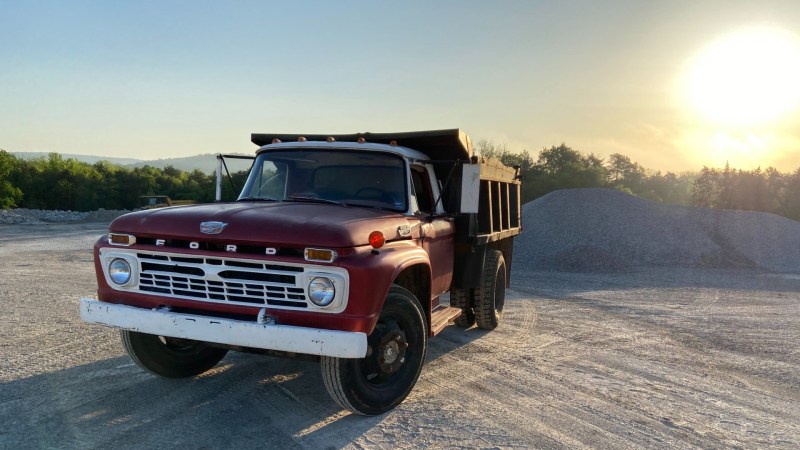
(499, 210)
(487, 196)
(490, 223)
(452, 144)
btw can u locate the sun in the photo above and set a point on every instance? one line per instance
(747, 78)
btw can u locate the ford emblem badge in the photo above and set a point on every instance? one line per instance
(212, 227)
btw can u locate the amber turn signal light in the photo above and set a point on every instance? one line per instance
(320, 255)
(121, 239)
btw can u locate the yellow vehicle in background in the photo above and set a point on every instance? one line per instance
(161, 201)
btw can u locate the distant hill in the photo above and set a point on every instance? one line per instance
(83, 158)
(206, 163)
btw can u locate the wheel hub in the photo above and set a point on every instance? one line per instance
(386, 353)
(390, 354)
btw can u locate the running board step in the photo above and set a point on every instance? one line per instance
(443, 316)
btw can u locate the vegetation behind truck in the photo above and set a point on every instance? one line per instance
(339, 248)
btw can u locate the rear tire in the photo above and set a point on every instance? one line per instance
(380, 381)
(462, 298)
(170, 357)
(466, 319)
(491, 296)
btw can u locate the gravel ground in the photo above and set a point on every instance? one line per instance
(691, 357)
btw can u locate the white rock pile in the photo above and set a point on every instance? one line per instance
(588, 230)
(39, 216)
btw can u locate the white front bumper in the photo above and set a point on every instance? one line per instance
(312, 341)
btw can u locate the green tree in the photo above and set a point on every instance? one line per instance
(10, 195)
(667, 188)
(790, 202)
(725, 189)
(108, 189)
(624, 173)
(561, 159)
(561, 167)
(704, 188)
(751, 192)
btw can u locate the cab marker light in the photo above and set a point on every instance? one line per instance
(376, 239)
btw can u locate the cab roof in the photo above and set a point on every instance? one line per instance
(365, 147)
(452, 144)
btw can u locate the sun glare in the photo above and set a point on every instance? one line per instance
(747, 78)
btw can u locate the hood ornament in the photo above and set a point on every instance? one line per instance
(404, 231)
(212, 227)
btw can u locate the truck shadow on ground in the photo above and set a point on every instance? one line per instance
(247, 401)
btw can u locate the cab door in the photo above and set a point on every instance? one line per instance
(437, 234)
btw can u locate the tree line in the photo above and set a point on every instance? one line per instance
(58, 183)
(68, 184)
(749, 190)
(561, 167)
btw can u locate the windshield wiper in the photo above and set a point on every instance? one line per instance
(308, 198)
(257, 199)
(362, 205)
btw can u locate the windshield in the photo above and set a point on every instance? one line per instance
(333, 176)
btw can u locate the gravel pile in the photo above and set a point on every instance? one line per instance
(603, 230)
(38, 216)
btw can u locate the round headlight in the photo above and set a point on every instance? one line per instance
(119, 271)
(321, 291)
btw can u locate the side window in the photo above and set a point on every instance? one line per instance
(422, 189)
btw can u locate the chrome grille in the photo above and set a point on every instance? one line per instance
(222, 280)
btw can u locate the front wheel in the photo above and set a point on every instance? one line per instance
(380, 381)
(170, 357)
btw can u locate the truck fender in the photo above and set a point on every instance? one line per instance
(402, 259)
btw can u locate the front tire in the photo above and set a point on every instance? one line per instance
(490, 298)
(382, 380)
(170, 357)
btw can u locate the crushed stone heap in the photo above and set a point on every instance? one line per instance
(588, 230)
(39, 216)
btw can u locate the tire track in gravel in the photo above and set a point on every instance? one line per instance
(42, 331)
(486, 376)
(506, 375)
(687, 391)
(69, 353)
(169, 421)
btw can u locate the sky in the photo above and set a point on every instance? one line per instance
(674, 85)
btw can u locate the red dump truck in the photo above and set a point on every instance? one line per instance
(339, 248)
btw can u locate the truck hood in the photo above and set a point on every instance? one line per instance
(295, 223)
